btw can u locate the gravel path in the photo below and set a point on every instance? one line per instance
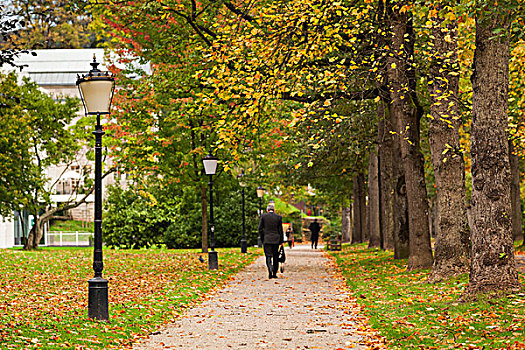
(520, 262)
(305, 308)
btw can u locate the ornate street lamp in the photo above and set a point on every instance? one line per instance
(210, 168)
(96, 91)
(260, 194)
(244, 245)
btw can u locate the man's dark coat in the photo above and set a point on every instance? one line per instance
(271, 228)
(314, 229)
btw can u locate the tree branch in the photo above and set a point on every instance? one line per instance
(238, 12)
(71, 205)
(351, 96)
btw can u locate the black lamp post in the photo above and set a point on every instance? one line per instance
(96, 91)
(210, 167)
(244, 245)
(260, 194)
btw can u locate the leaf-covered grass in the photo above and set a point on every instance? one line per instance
(413, 314)
(43, 303)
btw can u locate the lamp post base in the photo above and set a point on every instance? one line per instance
(244, 246)
(213, 260)
(98, 305)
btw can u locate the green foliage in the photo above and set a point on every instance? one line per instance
(34, 136)
(172, 216)
(285, 209)
(228, 220)
(186, 226)
(132, 220)
(332, 230)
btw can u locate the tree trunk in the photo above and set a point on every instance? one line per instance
(35, 234)
(357, 230)
(362, 204)
(384, 138)
(433, 217)
(366, 219)
(492, 265)
(403, 101)
(204, 211)
(451, 256)
(30, 242)
(400, 232)
(346, 223)
(373, 202)
(386, 179)
(515, 195)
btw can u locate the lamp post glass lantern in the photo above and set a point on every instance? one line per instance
(96, 91)
(244, 244)
(210, 168)
(260, 194)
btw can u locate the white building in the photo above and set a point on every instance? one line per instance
(55, 72)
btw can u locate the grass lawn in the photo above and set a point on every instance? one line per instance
(71, 226)
(43, 299)
(413, 314)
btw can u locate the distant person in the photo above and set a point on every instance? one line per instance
(289, 236)
(314, 228)
(271, 234)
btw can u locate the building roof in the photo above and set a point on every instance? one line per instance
(61, 66)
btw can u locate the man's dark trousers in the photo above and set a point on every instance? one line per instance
(271, 252)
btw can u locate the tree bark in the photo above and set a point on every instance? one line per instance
(346, 223)
(359, 208)
(366, 219)
(451, 256)
(403, 109)
(362, 204)
(515, 195)
(386, 179)
(204, 211)
(400, 232)
(433, 217)
(493, 267)
(373, 202)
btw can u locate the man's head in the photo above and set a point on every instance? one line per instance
(270, 207)
(315, 220)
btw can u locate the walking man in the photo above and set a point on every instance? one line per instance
(271, 234)
(314, 233)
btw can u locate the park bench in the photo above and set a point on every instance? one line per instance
(334, 245)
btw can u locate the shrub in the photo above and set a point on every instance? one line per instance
(185, 230)
(133, 220)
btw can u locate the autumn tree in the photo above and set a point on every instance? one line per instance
(38, 136)
(406, 114)
(16, 161)
(8, 25)
(516, 120)
(374, 221)
(168, 120)
(492, 263)
(452, 246)
(50, 24)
